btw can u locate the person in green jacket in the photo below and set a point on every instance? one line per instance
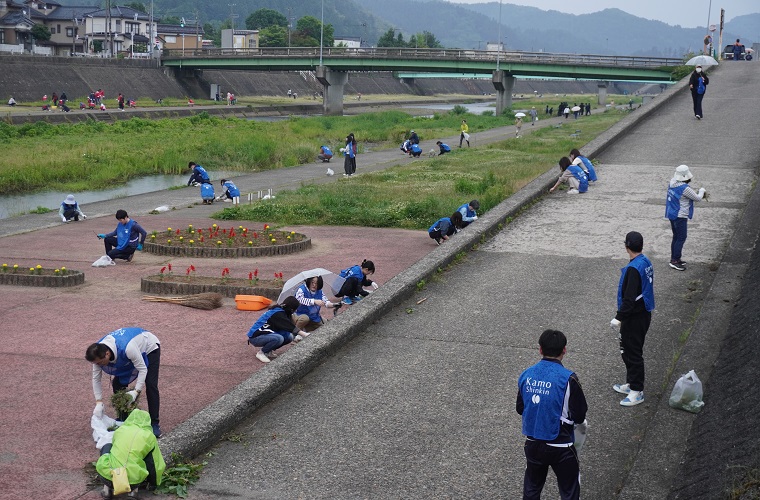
(134, 447)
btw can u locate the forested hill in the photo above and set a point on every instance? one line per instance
(610, 31)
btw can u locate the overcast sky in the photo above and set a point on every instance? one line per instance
(687, 13)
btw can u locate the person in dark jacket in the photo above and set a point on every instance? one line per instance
(633, 317)
(698, 84)
(274, 329)
(357, 277)
(128, 236)
(551, 402)
(445, 227)
(198, 175)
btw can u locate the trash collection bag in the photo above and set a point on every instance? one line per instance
(104, 261)
(687, 393)
(580, 431)
(100, 433)
(330, 171)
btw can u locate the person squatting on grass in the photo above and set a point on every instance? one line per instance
(356, 278)
(551, 402)
(310, 298)
(445, 227)
(469, 212)
(274, 329)
(573, 175)
(128, 236)
(578, 159)
(443, 148)
(127, 355)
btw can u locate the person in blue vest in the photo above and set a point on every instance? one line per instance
(634, 315)
(128, 236)
(469, 212)
(573, 175)
(357, 277)
(679, 208)
(198, 175)
(698, 83)
(445, 227)
(70, 210)
(443, 148)
(127, 355)
(231, 192)
(274, 329)
(415, 150)
(325, 154)
(349, 151)
(406, 147)
(311, 299)
(578, 159)
(551, 402)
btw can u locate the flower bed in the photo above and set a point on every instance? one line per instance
(38, 276)
(225, 242)
(166, 283)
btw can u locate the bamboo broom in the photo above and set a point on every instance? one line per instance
(207, 300)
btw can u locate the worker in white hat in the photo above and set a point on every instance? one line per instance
(679, 208)
(70, 210)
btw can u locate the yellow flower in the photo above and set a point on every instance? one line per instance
(190, 226)
(250, 243)
(15, 266)
(39, 266)
(63, 268)
(191, 241)
(214, 226)
(153, 236)
(240, 227)
(168, 229)
(57, 271)
(168, 241)
(218, 242)
(181, 238)
(293, 233)
(31, 269)
(273, 240)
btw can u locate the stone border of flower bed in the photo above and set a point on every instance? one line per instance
(166, 286)
(71, 278)
(186, 250)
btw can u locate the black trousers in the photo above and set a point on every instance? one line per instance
(113, 252)
(633, 331)
(151, 386)
(352, 287)
(564, 463)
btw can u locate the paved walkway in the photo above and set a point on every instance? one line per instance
(415, 399)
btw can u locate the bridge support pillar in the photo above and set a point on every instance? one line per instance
(333, 83)
(601, 97)
(503, 83)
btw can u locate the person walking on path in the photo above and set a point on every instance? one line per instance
(274, 329)
(635, 305)
(464, 134)
(679, 208)
(551, 402)
(127, 355)
(128, 236)
(738, 49)
(698, 83)
(518, 126)
(349, 151)
(533, 116)
(120, 100)
(70, 210)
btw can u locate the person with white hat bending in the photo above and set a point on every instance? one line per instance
(679, 208)
(70, 210)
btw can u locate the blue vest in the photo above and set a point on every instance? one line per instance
(203, 174)
(466, 212)
(353, 272)
(445, 147)
(122, 368)
(207, 191)
(579, 174)
(416, 148)
(261, 327)
(643, 265)
(701, 83)
(232, 188)
(444, 225)
(122, 234)
(326, 151)
(67, 207)
(673, 202)
(313, 310)
(590, 167)
(543, 387)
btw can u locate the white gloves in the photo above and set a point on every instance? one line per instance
(615, 324)
(84, 216)
(98, 411)
(133, 395)
(63, 219)
(474, 217)
(374, 286)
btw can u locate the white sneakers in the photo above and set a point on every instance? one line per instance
(301, 336)
(262, 357)
(572, 191)
(633, 398)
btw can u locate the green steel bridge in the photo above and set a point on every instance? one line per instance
(332, 65)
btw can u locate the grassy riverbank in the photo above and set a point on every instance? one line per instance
(416, 194)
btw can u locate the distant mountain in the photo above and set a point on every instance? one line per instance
(471, 26)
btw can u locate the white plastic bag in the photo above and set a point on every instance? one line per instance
(466, 136)
(580, 431)
(100, 433)
(104, 261)
(687, 393)
(330, 171)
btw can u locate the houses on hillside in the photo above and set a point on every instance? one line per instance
(88, 30)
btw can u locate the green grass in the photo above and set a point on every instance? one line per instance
(415, 194)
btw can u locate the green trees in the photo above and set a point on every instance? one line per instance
(41, 32)
(420, 40)
(264, 18)
(273, 36)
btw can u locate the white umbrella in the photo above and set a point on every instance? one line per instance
(575, 108)
(519, 115)
(328, 278)
(702, 60)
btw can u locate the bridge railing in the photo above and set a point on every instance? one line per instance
(425, 54)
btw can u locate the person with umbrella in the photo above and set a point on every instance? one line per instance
(518, 123)
(698, 84)
(311, 298)
(275, 329)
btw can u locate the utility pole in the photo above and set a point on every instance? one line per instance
(232, 17)
(198, 43)
(290, 24)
